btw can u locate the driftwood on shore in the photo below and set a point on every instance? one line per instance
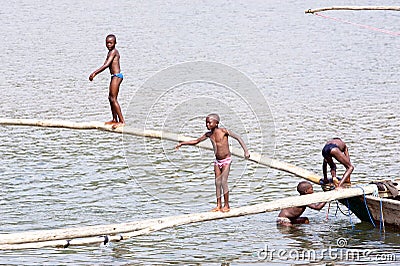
(117, 232)
(255, 157)
(354, 8)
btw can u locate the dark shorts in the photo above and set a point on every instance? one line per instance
(326, 151)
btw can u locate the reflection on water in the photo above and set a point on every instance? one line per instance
(321, 79)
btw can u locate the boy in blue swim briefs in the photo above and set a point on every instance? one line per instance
(222, 163)
(336, 148)
(112, 62)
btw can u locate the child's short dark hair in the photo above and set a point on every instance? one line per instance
(215, 116)
(111, 36)
(303, 186)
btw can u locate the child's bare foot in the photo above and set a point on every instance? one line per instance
(112, 122)
(216, 209)
(225, 209)
(119, 124)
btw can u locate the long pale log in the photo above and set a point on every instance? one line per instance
(46, 238)
(54, 123)
(255, 157)
(258, 208)
(76, 232)
(279, 165)
(63, 243)
(355, 8)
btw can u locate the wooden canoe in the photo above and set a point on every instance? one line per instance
(384, 209)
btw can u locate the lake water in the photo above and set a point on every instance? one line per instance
(290, 82)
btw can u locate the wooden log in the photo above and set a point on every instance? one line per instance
(46, 238)
(70, 233)
(279, 165)
(54, 123)
(63, 243)
(255, 157)
(355, 8)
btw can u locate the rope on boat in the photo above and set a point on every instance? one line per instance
(327, 211)
(366, 206)
(339, 209)
(374, 193)
(348, 209)
(382, 221)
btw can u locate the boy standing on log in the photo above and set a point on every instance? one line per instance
(222, 164)
(336, 148)
(112, 62)
(290, 216)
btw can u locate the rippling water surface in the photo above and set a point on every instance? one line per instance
(320, 78)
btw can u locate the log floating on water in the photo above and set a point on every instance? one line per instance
(355, 8)
(255, 157)
(65, 237)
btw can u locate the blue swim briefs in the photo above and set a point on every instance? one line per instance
(118, 75)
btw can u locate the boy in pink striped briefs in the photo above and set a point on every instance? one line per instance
(222, 163)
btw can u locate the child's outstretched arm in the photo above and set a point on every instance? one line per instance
(191, 142)
(106, 64)
(317, 206)
(241, 142)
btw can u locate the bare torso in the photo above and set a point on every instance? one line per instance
(341, 145)
(292, 213)
(114, 65)
(219, 140)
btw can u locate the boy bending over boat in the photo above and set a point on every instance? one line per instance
(222, 163)
(290, 216)
(336, 148)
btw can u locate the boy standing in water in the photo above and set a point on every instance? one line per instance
(290, 216)
(336, 148)
(112, 62)
(222, 164)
